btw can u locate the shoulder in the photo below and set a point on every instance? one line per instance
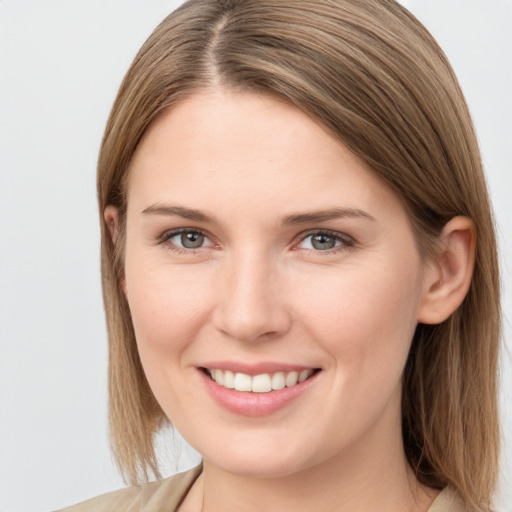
(447, 501)
(150, 497)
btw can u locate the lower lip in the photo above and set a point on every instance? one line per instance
(255, 404)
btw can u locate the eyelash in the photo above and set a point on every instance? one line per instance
(346, 242)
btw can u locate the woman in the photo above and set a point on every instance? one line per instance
(299, 265)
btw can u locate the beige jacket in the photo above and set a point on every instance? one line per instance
(167, 495)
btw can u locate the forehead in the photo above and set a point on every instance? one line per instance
(253, 149)
(222, 122)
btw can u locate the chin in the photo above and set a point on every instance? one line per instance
(270, 462)
(260, 468)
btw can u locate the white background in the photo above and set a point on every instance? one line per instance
(61, 63)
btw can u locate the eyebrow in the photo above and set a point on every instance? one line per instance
(294, 218)
(325, 215)
(179, 211)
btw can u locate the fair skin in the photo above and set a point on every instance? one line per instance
(258, 244)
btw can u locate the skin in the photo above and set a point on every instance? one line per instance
(259, 290)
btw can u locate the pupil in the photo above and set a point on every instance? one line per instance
(192, 240)
(323, 242)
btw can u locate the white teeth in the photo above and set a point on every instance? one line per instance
(278, 380)
(243, 382)
(218, 376)
(303, 375)
(262, 383)
(291, 379)
(229, 379)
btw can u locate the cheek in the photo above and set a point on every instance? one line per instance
(365, 319)
(168, 311)
(167, 305)
(365, 322)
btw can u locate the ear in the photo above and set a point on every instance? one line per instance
(447, 279)
(111, 216)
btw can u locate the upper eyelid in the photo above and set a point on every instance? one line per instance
(329, 232)
(169, 233)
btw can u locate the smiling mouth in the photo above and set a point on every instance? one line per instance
(262, 383)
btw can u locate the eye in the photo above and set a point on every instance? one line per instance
(187, 239)
(325, 241)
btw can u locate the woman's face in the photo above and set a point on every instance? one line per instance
(262, 251)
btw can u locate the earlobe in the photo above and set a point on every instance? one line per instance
(447, 280)
(112, 221)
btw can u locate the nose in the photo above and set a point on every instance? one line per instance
(251, 303)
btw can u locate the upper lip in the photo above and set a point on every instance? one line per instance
(255, 368)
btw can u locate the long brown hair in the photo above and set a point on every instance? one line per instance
(374, 77)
